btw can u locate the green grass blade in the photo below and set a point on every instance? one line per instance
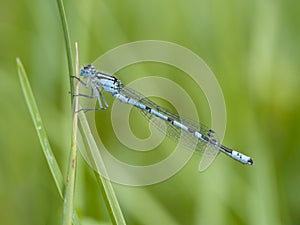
(35, 115)
(41, 132)
(105, 185)
(63, 18)
(111, 200)
(70, 182)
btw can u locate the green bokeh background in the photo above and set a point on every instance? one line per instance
(252, 47)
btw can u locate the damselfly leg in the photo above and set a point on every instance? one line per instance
(95, 93)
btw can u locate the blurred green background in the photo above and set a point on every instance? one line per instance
(252, 47)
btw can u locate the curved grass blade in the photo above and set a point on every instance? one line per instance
(87, 141)
(63, 18)
(41, 132)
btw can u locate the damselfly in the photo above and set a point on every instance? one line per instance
(206, 143)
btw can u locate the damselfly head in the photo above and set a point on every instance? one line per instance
(87, 71)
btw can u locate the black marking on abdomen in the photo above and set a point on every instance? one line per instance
(170, 120)
(148, 109)
(206, 139)
(226, 149)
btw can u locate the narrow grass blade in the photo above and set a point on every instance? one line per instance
(70, 182)
(63, 18)
(41, 132)
(89, 143)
